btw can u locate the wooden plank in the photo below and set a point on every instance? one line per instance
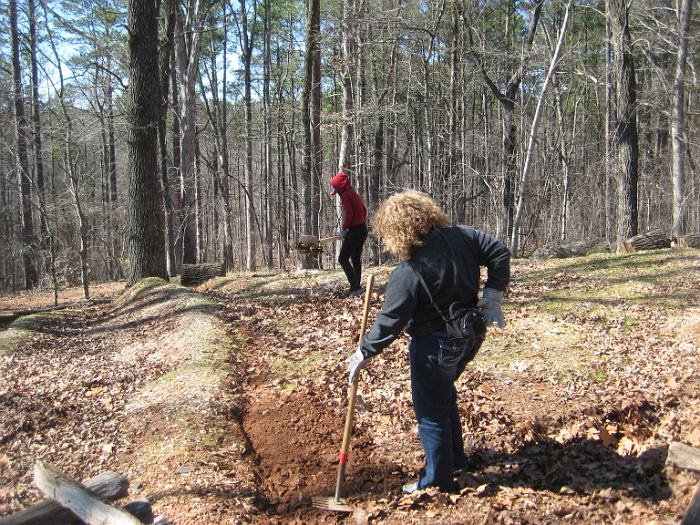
(74, 496)
(683, 456)
(692, 513)
(107, 485)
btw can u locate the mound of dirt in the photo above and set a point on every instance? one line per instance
(138, 387)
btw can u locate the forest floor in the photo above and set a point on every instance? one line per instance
(226, 404)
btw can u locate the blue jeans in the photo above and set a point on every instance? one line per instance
(436, 363)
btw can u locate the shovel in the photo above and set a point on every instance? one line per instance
(336, 503)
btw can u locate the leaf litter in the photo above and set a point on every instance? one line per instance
(567, 412)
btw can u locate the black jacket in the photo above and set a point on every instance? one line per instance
(449, 261)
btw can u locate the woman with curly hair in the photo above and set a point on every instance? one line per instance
(438, 274)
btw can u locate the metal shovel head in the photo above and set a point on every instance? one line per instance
(331, 503)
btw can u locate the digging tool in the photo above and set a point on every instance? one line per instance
(336, 503)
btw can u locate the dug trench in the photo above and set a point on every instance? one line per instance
(293, 434)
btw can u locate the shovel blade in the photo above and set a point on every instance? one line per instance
(331, 503)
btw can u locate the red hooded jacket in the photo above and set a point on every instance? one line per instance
(354, 211)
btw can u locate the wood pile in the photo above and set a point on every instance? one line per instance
(196, 274)
(69, 501)
(574, 249)
(651, 240)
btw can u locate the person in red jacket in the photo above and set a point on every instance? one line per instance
(353, 230)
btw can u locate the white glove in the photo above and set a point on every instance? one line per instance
(490, 305)
(356, 363)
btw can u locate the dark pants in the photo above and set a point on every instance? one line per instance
(436, 363)
(350, 257)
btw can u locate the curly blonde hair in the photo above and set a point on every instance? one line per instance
(404, 219)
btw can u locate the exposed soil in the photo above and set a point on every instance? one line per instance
(568, 413)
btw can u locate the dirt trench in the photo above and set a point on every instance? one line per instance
(294, 441)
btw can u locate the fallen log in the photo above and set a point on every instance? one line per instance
(196, 274)
(107, 485)
(683, 456)
(74, 496)
(573, 249)
(692, 240)
(651, 240)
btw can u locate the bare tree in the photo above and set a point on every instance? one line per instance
(23, 174)
(507, 98)
(515, 237)
(625, 138)
(685, 8)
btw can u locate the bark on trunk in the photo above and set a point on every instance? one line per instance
(625, 139)
(145, 231)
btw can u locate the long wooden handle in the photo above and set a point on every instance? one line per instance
(331, 238)
(353, 392)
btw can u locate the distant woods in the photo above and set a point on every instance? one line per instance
(140, 136)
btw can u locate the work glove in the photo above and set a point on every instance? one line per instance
(342, 233)
(356, 363)
(490, 305)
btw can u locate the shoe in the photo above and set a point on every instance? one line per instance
(356, 292)
(410, 488)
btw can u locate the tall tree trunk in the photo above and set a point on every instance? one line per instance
(36, 117)
(626, 139)
(316, 120)
(188, 47)
(610, 210)
(310, 98)
(176, 171)
(347, 138)
(23, 174)
(145, 227)
(225, 185)
(685, 8)
(247, 39)
(267, 134)
(165, 72)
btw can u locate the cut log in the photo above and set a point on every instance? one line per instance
(692, 240)
(692, 513)
(651, 240)
(683, 456)
(196, 274)
(107, 485)
(74, 496)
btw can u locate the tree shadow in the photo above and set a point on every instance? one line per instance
(580, 466)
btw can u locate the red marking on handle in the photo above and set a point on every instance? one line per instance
(343, 458)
